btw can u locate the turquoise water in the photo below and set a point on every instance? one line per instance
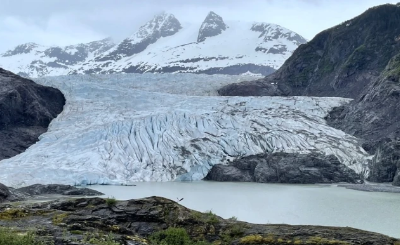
(277, 203)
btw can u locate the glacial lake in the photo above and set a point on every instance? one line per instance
(326, 205)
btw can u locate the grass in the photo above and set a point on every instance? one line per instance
(10, 237)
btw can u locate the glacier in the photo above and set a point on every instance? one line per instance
(125, 128)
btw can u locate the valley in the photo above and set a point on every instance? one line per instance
(179, 120)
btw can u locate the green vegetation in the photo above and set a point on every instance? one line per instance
(58, 218)
(111, 201)
(13, 213)
(209, 217)
(359, 59)
(9, 237)
(233, 218)
(393, 70)
(173, 236)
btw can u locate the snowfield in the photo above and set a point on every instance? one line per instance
(124, 128)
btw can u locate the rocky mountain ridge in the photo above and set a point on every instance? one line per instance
(164, 45)
(357, 59)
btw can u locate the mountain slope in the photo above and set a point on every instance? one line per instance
(33, 60)
(356, 59)
(123, 128)
(165, 45)
(26, 111)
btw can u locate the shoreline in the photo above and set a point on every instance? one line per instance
(369, 187)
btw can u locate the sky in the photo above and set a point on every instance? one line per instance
(67, 22)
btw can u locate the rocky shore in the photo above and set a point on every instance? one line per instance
(372, 187)
(33, 192)
(157, 220)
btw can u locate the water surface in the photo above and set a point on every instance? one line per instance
(277, 203)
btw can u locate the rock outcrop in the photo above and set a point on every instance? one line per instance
(4, 193)
(8, 194)
(212, 26)
(162, 25)
(67, 190)
(26, 111)
(285, 168)
(79, 221)
(357, 59)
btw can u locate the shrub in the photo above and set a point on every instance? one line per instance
(211, 218)
(111, 201)
(173, 236)
(9, 237)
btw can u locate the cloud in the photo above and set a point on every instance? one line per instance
(60, 22)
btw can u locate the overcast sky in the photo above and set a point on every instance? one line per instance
(64, 22)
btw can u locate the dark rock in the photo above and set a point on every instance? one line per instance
(10, 194)
(396, 180)
(285, 168)
(212, 26)
(221, 172)
(39, 189)
(251, 88)
(385, 163)
(4, 193)
(26, 111)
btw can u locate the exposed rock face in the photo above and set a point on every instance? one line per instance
(212, 26)
(133, 221)
(26, 111)
(285, 168)
(4, 193)
(357, 59)
(386, 162)
(162, 25)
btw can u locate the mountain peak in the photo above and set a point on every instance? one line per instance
(212, 26)
(21, 49)
(165, 24)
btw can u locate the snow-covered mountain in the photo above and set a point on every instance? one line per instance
(33, 60)
(123, 128)
(165, 45)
